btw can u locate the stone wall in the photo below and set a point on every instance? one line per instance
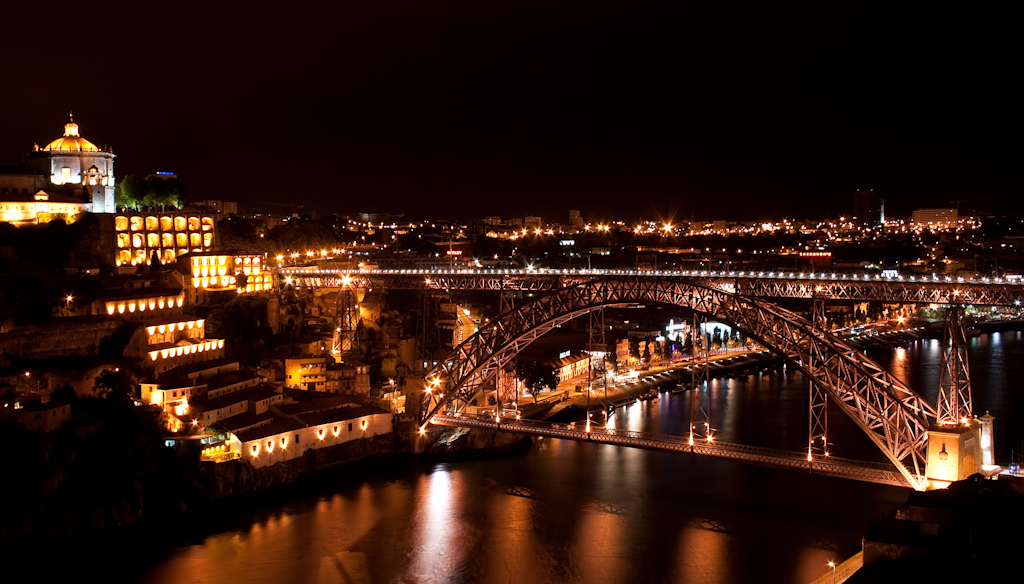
(70, 336)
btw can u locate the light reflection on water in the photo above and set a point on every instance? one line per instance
(588, 513)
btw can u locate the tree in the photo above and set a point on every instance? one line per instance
(115, 385)
(157, 194)
(177, 192)
(536, 376)
(716, 338)
(688, 344)
(131, 192)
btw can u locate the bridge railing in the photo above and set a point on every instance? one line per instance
(510, 422)
(554, 397)
(837, 466)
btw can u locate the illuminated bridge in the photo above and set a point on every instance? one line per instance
(872, 472)
(931, 289)
(897, 419)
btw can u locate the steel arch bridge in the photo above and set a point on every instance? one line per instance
(891, 414)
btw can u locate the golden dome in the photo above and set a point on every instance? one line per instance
(71, 141)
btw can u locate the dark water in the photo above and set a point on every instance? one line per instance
(580, 512)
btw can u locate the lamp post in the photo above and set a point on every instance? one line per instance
(832, 565)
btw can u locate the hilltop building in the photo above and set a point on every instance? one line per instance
(868, 209)
(68, 175)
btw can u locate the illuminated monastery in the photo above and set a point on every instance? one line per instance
(39, 187)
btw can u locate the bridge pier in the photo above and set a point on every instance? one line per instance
(955, 405)
(955, 441)
(817, 425)
(954, 453)
(700, 419)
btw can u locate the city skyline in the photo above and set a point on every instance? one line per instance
(464, 111)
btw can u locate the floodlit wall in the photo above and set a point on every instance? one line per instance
(292, 444)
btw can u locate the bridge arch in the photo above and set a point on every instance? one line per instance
(891, 414)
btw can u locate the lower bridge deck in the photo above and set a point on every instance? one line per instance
(872, 472)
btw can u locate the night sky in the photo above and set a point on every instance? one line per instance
(467, 108)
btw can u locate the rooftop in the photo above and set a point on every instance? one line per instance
(278, 427)
(190, 368)
(229, 378)
(246, 421)
(261, 391)
(331, 402)
(341, 414)
(71, 141)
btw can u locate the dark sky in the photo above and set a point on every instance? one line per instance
(468, 108)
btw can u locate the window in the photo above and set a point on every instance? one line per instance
(350, 427)
(65, 175)
(296, 438)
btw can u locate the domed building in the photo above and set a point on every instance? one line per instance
(71, 159)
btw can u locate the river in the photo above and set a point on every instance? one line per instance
(579, 512)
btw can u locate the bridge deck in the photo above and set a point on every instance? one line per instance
(926, 289)
(873, 472)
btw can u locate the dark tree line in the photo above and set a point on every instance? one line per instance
(136, 192)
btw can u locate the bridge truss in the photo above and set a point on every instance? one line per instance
(873, 472)
(893, 416)
(829, 287)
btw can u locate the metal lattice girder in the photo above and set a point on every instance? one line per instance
(817, 423)
(700, 421)
(874, 472)
(346, 322)
(894, 417)
(852, 287)
(955, 407)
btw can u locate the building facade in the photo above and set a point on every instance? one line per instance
(73, 160)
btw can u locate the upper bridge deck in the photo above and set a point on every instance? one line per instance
(920, 289)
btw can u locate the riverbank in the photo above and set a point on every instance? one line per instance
(187, 490)
(238, 477)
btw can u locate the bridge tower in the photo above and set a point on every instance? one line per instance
(955, 442)
(428, 338)
(955, 407)
(597, 344)
(817, 427)
(346, 322)
(700, 421)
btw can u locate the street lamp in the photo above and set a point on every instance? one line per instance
(832, 565)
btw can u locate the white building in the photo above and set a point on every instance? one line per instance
(71, 159)
(936, 217)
